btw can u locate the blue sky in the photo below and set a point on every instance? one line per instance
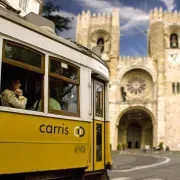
(134, 18)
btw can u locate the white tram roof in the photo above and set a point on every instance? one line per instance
(15, 18)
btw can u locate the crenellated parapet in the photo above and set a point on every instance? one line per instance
(158, 14)
(99, 18)
(131, 61)
(133, 58)
(95, 19)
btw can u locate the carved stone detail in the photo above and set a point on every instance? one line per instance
(137, 83)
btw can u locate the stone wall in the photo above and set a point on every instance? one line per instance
(172, 118)
(160, 15)
(125, 65)
(166, 112)
(90, 27)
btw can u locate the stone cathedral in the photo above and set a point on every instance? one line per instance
(144, 104)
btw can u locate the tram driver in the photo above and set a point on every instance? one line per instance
(12, 96)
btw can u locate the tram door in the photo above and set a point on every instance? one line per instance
(98, 124)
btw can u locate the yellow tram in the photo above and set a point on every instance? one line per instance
(58, 127)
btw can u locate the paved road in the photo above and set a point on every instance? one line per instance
(145, 167)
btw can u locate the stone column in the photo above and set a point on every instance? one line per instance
(115, 33)
(143, 139)
(115, 37)
(125, 136)
(155, 143)
(161, 102)
(175, 88)
(113, 133)
(113, 66)
(154, 111)
(116, 137)
(156, 37)
(83, 33)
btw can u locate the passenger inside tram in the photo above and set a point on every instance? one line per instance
(12, 96)
(53, 103)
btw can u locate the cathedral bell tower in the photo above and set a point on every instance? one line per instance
(101, 30)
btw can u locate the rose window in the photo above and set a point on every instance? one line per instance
(136, 85)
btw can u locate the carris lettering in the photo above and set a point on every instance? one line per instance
(50, 129)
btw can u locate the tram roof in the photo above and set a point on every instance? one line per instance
(15, 18)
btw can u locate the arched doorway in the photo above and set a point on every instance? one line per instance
(135, 129)
(134, 136)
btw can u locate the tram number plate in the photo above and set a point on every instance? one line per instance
(80, 149)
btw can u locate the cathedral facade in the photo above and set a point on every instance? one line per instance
(144, 92)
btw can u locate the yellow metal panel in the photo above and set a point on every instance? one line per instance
(90, 168)
(34, 143)
(98, 165)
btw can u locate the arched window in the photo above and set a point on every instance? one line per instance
(100, 43)
(174, 40)
(173, 87)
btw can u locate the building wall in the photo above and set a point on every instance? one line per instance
(32, 6)
(172, 75)
(91, 27)
(126, 65)
(159, 65)
(168, 69)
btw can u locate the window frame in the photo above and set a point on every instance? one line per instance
(170, 37)
(173, 87)
(102, 39)
(59, 77)
(178, 87)
(96, 81)
(26, 66)
(21, 64)
(23, 4)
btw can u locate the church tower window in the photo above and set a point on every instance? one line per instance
(178, 88)
(174, 40)
(100, 43)
(173, 87)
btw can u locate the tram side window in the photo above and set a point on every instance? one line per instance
(99, 90)
(63, 88)
(22, 77)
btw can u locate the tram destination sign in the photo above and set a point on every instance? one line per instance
(136, 101)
